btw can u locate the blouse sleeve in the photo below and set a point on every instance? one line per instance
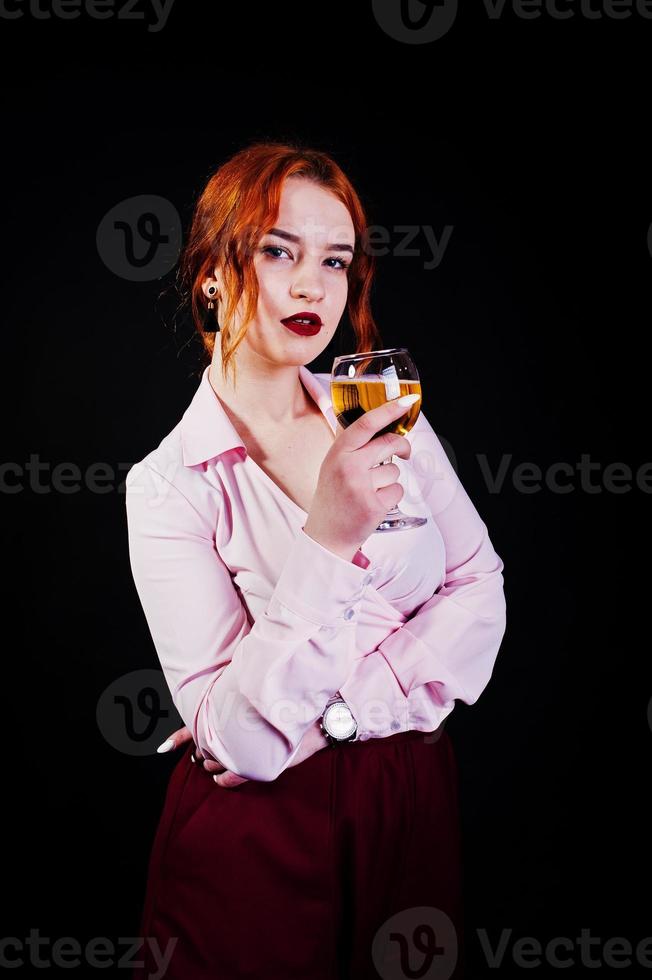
(448, 647)
(247, 692)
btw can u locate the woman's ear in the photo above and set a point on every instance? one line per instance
(211, 289)
(211, 286)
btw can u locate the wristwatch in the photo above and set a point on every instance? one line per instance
(337, 722)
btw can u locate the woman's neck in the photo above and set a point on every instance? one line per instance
(262, 398)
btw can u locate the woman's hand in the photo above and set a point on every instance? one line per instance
(225, 778)
(354, 491)
(313, 740)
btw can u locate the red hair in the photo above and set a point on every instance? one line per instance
(237, 206)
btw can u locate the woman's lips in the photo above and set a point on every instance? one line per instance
(303, 329)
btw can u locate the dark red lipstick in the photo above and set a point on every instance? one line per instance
(305, 329)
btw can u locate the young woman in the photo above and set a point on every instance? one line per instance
(269, 599)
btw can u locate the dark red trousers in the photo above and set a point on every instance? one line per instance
(346, 867)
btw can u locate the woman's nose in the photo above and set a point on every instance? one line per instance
(308, 287)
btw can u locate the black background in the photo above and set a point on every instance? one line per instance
(530, 138)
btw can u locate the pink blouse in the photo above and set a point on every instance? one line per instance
(256, 625)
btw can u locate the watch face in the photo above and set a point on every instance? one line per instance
(338, 720)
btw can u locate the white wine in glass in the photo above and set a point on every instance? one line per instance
(360, 382)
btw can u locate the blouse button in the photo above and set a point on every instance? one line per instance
(349, 613)
(368, 578)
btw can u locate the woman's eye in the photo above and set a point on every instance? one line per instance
(277, 248)
(274, 248)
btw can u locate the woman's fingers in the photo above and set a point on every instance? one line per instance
(211, 766)
(183, 735)
(229, 779)
(209, 763)
(175, 740)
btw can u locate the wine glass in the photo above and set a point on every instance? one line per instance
(360, 382)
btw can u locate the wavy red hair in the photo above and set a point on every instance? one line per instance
(239, 203)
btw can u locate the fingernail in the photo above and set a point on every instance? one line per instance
(215, 780)
(406, 400)
(192, 756)
(166, 746)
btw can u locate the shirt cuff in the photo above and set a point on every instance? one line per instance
(375, 698)
(319, 585)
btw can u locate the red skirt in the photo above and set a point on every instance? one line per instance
(345, 867)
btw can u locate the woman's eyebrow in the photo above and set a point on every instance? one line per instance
(336, 247)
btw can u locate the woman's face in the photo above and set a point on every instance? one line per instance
(303, 275)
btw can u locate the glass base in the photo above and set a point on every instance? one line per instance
(396, 520)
